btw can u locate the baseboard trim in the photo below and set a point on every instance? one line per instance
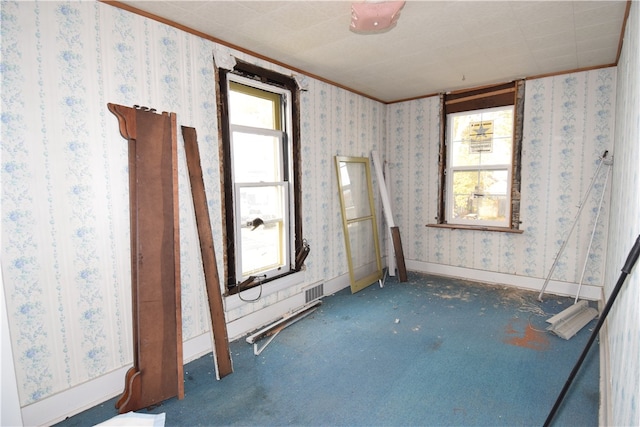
(588, 292)
(232, 302)
(240, 327)
(77, 399)
(605, 412)
(58, 407)
(67, 403)
(72, 401)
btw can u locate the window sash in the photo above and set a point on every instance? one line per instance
(268, 97)
(277, 235)
(262, 249)
(244, 152)
(474, 208)
(484, 202)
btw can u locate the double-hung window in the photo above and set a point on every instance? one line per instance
(480, 181)
(259, 164)
(480, 150)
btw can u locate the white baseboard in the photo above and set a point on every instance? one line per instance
(588, 292)
(336, 284)
(232, 302)
(56, 408)
(79, 398)
(72, 401)
(240, 327)
(606, 407)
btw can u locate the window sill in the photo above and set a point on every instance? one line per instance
(476, 227)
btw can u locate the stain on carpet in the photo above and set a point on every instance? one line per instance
(520, 333)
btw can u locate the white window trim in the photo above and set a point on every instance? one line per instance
(289, 221)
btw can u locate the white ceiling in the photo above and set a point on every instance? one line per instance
(436, 46)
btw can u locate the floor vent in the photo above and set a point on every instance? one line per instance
(313, 293)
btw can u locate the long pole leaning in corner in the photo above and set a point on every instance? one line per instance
(626, 269)
(575, 221)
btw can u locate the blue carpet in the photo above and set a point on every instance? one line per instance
(432, 351)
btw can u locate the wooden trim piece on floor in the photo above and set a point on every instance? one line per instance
(397, 247)
(393, 229)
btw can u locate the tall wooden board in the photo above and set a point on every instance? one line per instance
(157, 372)
(218, 325)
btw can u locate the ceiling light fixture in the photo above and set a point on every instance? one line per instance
(375, 16)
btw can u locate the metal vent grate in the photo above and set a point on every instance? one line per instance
(314, 293)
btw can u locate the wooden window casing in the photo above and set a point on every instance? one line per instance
(485, 97)
(272, 78)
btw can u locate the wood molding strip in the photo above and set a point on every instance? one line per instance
(480, 95)
(222, 356)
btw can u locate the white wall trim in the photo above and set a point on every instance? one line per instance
(239, 327)
(72, 401)
(336, 284)
(259, 318)
(606, 406)
(10, 414)
(197, 347)
(588, 292)
(77, 399)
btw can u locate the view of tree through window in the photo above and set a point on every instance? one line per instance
(480, 147)
(479, 158)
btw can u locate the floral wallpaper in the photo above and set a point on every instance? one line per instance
(64, 214)
(568, 125)
(623, 322)
(65, 217)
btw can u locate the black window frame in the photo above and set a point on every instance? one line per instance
(270, 77)
(499, 95)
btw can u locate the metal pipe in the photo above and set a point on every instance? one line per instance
(593, 232)
(575, 221)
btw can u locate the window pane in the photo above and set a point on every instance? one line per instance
(259, 184)
(262, 248)
(264, 202)
(256, 158)
(481, 138)
(480, 195)
(356, 204)
(247, 109)
(263, 238)
(363, 255)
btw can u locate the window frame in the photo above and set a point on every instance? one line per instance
(255, 76)
(451, 169)
(480, 98)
